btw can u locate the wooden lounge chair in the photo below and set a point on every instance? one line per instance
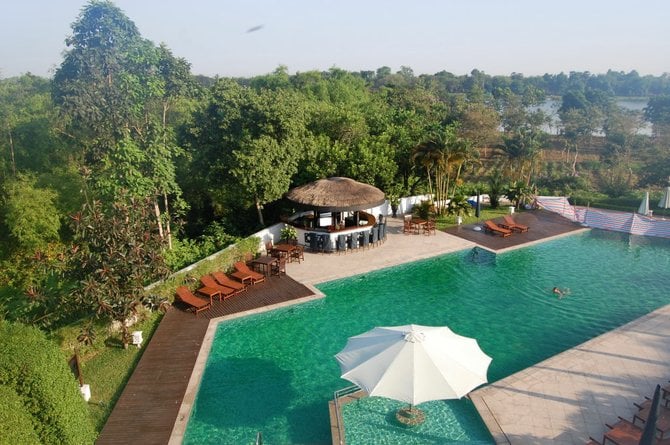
(186, 296)
(224, 280)
(511, 225)
(209, 282)
(244, 273)
(490, 226)
(662, 420)
(210, 292)
(625, 433)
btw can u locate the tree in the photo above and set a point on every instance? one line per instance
(263, 171)
(100, 84)
(441, 154)
(115, 90)
(116, 253)
(658, 113)
(26, 113)
(30, 213)
(521, 150)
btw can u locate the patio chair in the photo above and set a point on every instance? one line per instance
(313, 242)
(364, 239)
(508, 223)
(382, 232)
(341, 243)
(224, 280)
(279, 268)
(374, 235)
(352, 241)
(407, 227)
(298, 253)
(209, 282)
(491, 227)
(244, 273)
(429, 227)
(269, 248)
(184, 295)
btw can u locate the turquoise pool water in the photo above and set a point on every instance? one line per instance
(275, 372)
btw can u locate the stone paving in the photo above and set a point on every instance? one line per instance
(571, 396)
(398, 248)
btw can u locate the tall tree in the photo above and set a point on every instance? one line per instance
(443, 153)
(116, 253)
(521, 149)
(99, 83)
(115, 90)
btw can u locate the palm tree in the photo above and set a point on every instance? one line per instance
(443, 152)
(521, 150)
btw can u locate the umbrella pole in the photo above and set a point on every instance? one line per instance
(410, 416)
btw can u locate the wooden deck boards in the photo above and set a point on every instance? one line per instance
(148, 407)
(542, 225)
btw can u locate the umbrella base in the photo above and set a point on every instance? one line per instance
(410, 416)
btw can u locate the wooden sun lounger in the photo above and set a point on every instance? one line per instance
(490, 226)
(209, 282)
(186, 296)
(511, 225)
(625, 433)
(225, 280)
(243, 273)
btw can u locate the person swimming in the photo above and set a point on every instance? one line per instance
(560, 292)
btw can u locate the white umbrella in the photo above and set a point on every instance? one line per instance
(413, 363)
(664, 203)
(644, 205)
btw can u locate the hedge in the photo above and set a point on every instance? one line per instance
(36, 370)
(16, 423)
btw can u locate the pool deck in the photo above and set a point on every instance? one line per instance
(562, 400)
(571, 396)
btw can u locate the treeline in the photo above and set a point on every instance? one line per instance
(125, 165)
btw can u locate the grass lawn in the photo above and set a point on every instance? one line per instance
(486, 213)
(105, 365)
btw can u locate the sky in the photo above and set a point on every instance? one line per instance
(253, 37)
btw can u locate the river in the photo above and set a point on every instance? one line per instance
(551, 106)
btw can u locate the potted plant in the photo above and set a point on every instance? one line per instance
(288, 233)
(394, 201)
(393, 197)
(459, 206)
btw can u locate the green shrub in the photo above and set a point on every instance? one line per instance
(424, 209)
(224, 261)
(16, 423)
(35, 369)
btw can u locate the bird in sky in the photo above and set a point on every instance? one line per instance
(254, 28)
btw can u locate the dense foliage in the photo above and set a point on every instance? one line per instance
(35, 375)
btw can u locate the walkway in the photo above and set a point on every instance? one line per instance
(569, 397)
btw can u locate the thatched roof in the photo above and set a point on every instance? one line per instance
(336, 195)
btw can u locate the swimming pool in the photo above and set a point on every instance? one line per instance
(275, 372)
